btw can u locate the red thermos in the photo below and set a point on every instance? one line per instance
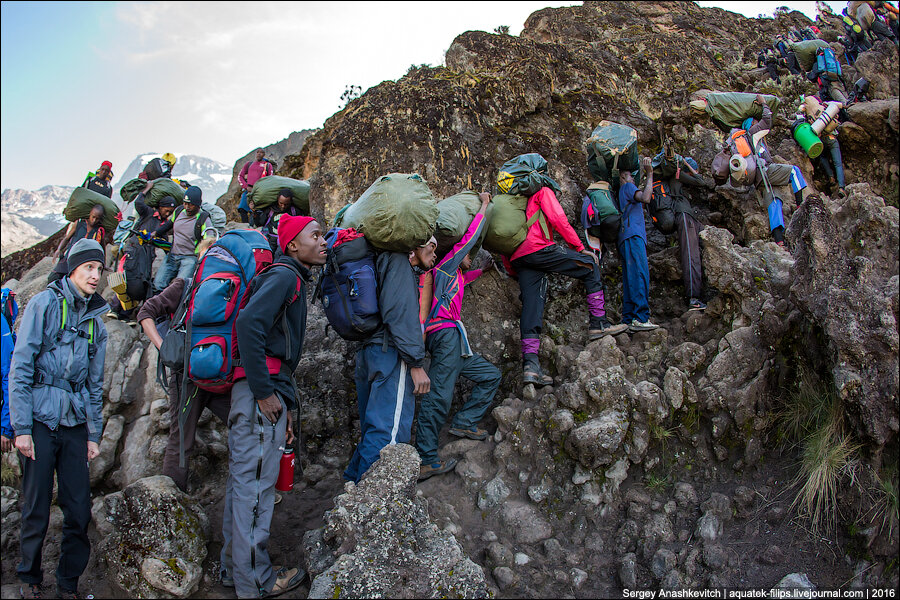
(285, 481)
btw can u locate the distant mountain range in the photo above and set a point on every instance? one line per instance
(29, 216)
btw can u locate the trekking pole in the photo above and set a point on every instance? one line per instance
(761, 165)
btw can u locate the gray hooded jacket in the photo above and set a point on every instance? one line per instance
(56, 375)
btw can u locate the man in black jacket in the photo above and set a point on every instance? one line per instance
(270, 331)
(389, 364)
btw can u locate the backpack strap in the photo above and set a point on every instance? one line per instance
(202, 216)
(539, 217)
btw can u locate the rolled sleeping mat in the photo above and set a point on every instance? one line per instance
(807, 138)
(738, 167)
(118, 283)
(827, 119)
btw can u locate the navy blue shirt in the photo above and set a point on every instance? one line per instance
(632, 213)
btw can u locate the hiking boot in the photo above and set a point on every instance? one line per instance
(472, 434)
(696, 304)
(438, 468)
(604, 328)
(31, 590)
(531, 371)
(286, 579)
(67, 594)
(536, 377)
(645, 326)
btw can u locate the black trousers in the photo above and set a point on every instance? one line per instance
(532, 269)
(689, 244)
(63, 451)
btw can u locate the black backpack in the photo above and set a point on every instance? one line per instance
(157, 168)
(661, 207)
(173, 332)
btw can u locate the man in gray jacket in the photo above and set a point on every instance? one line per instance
(56, 390)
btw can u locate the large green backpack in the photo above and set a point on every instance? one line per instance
(612, 148)
(509, 226)
(397, 213)
(524, 175)
(456, 214)
(599, 215)
(265, 192)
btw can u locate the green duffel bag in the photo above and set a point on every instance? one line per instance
(732, 108)
(612, 148)
(397, 213)
(265, 192)
(83, 200)
(508, 226)
(805, 52)
(162, 187)
(524, 175)
(456, 214)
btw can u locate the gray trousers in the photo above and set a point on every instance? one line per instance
(254, 452)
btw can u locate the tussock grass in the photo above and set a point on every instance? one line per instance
(813, 420)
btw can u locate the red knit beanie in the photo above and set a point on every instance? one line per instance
(289, 227)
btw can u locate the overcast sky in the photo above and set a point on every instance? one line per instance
(84, 82)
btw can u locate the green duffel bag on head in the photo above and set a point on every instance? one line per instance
(265, 192)
(456, 214)
(732, 108)
(524, 175)
(805, 52)
(397, 213)
(83, 200)
(162, 187)
(612, 148)
(508, 226)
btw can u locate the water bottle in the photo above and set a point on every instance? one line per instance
(285, 481)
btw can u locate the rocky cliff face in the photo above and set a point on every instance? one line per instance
(659, 459)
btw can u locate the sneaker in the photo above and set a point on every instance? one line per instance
(67, 594)
(438, 468)
(696, 304)
(227, 580)
(781, 244)
(112, 315)
(278, 498)
(472, 434)
(645, 326)
(31, 590)
(286, 580)
(606, 328)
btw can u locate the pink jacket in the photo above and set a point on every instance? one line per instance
(253, 171)
(450, 280)
(535, 240)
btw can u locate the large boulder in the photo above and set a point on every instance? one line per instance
(158, 538)
(387, 545)
(845, 277)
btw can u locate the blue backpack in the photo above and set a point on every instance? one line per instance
(348, 287)
(218, 292)
(828, 64)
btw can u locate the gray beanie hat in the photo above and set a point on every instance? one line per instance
(82, 251)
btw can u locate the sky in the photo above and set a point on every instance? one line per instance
(83, 82)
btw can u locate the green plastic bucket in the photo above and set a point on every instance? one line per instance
(807, 138)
